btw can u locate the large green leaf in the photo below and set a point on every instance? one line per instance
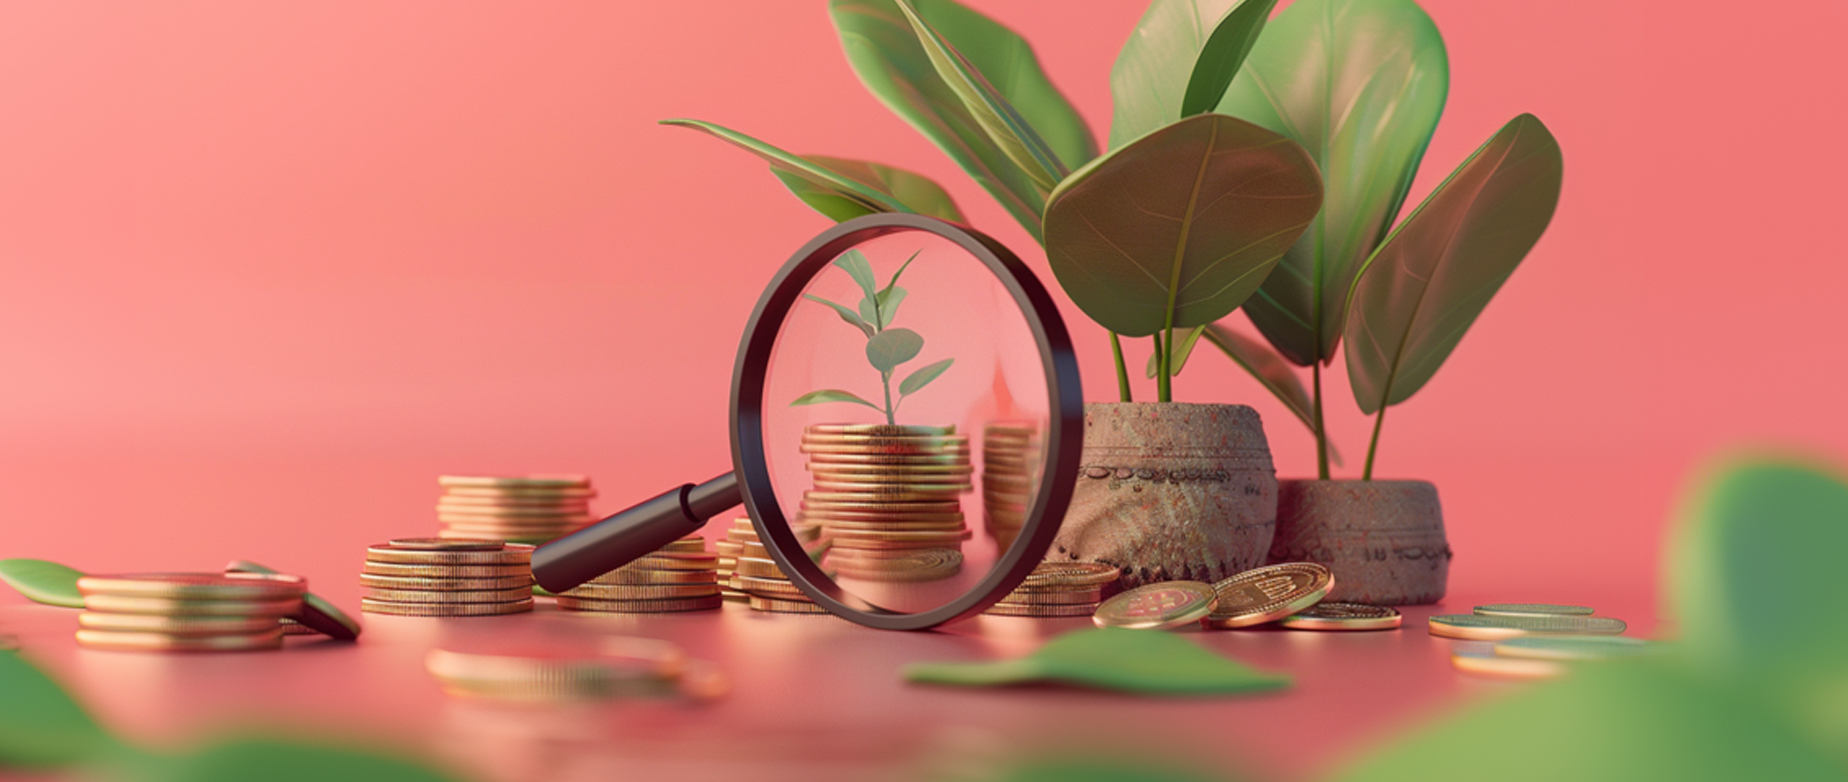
(1154, 67)
(1178, 227)
(1224, 52)
(1360, 84)
(994, 113)
(915, 191)
(1112, 658)
(841, 187)
(1431, 278)
(40, 724)
(42, 581)
(889, 348)
(887, 56)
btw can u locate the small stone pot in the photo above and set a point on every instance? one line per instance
(1171, 491)
(1383, 539)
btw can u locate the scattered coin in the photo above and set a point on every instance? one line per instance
(1268, 594)
(1496, 628)
(1041, 611)
(1485, 662)
(163, 642)
(1567, 647)
(1532, 609)
(1158, 606)
(1337, 617)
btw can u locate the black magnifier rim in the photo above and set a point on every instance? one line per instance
(1063, 438)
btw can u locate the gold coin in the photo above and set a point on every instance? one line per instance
(196, 586)
(844, 537)
(119, 604)
(893, 473)
(1490, 664)
(760, 568)
(471, 512)
(297, 628)
(1472, 627)
(176, 625)
(1046, 598)
(461, 501)
(907, 460)
(828, 516)
(1532, 609)
(444, 544)
(862, 503)
(445, 596)
(1573, 647)
(521, 492)
(522, 538)
(675, 560)
(632, 577)
(509, 554)
(868, 491)
(446, 584)
(728, 548)
(161, 642)
(1269, 593)
(838, 527)
(374, 606)
(1053, 574)
(1041, 611)
(317, 614)
(522, 482)
(641, 591)
(888, 437)
(926, 560)
(549, 678)
(1158, 606)
(849, 547)
(1338, 617)
(771, 587)
(776, 606)
(686, 545)
(880, 429)
(885, 447)
(661, 606)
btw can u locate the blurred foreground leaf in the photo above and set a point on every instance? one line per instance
(40, 725)
(1110, 658)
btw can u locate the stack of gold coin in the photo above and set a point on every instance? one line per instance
(1059, 589)
(761, 581)
(533, 509)
(681, 576)
(447, 577)
(1010, 455)
(729, 550)
(885, 491)
(186, 612)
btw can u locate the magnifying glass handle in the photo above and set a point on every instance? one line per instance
(633, 533)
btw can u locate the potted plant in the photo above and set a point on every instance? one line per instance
(1361, 84)
(1169, 230)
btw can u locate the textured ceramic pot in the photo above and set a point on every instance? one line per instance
(1171, 491)
(1383, 539)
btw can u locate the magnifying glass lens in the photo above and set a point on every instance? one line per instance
(904, 407)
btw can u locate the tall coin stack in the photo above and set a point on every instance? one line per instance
(681, 576)
(533, 509)
(1010, 454)
(884, 492)
(1059, 589)
(765, 586)
(186, 612)
(447, 577)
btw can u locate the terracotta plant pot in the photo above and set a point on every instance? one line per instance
(1383, 539)
(1171, 491)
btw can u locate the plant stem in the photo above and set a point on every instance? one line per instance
(1164, 375)
(885, 379)
(1373, 445)
(1116, 349)
(1321, 430)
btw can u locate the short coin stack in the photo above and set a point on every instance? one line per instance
(1010, 454)
(533, 509)
(1059, 589)
(1269, 594)
(758, 578)
(186, 612)
(447, 577)
(681, 576)
(886, 491)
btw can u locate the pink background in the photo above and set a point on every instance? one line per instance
(270, 268)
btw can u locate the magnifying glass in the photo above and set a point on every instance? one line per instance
(906, 425)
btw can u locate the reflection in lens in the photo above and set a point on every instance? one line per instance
(903, 356)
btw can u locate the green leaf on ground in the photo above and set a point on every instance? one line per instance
(1110, 658)
(43, 582)
(40, 725)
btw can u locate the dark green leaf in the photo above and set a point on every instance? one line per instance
(1224, 52)
(1004, 125)
(847, 315)
(1152, 71)
(1180, 226)
(1111, 658)
(1185, 350)
(1360, 84)
(41, 726)
(831, 395)
(923, 376)
(916, 192)
(838, 186)
(889, 348)
(44, 582)
(893, 283)
(861, 270)
(886, 54)
(1431, 278)
(1271, 371)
